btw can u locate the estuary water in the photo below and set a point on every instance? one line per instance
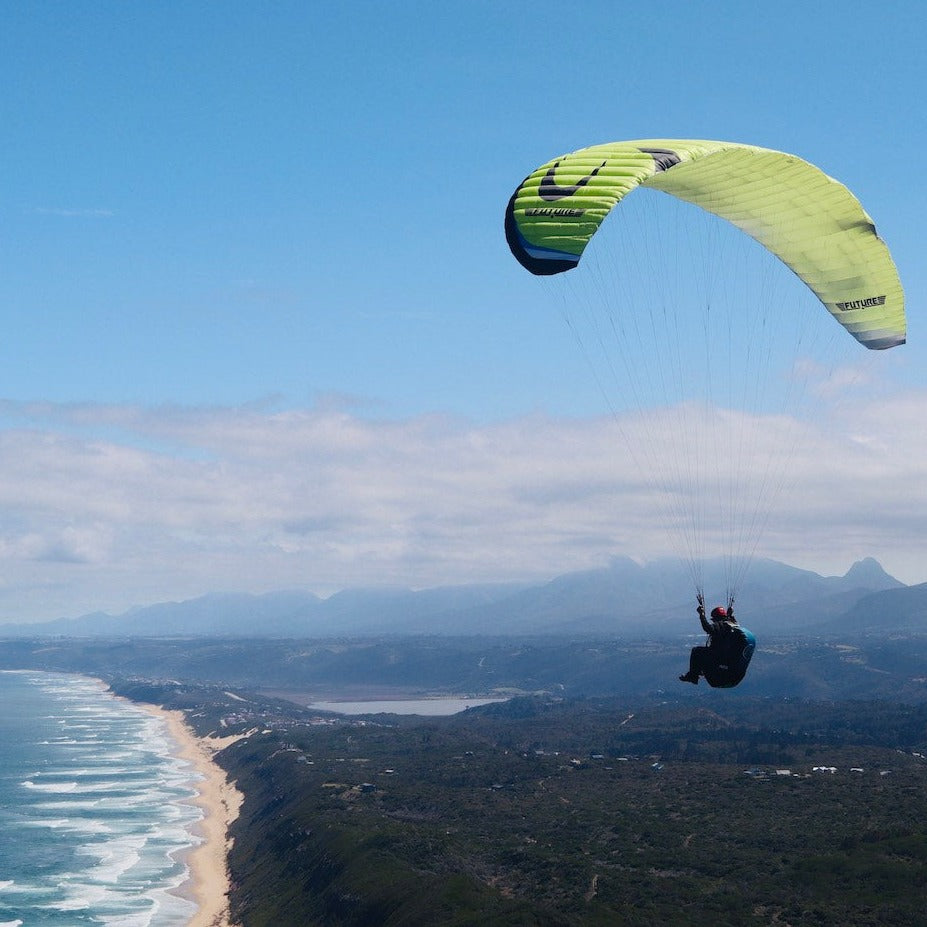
(429, 707)
(95, 816)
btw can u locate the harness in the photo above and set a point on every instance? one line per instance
(732, 650)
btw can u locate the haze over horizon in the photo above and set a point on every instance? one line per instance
(262, 329)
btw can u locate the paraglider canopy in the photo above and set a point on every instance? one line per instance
(810, 221)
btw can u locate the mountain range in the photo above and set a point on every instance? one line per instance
(624, 599)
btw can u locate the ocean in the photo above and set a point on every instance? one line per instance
(95, 813)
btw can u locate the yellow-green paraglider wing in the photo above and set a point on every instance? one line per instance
(810, 221)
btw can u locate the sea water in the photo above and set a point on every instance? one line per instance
(95, 812)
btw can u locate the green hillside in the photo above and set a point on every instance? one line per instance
(577, 812)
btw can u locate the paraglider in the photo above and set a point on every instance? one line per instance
(814, 225)
(724, 660)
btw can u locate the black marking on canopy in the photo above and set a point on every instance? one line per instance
(663, 158)
(548, 189)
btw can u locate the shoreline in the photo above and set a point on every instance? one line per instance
(208, 885)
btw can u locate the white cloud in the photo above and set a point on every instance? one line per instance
(103, 507)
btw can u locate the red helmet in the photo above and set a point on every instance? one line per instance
(719, 611)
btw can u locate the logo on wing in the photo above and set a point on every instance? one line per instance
(551, 192)
(867, 303)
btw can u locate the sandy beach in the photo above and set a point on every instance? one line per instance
(220, 801)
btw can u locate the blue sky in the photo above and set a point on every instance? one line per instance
(253, 259)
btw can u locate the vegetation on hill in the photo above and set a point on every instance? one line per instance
(545, 811)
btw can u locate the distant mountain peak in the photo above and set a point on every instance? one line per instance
(624, 598)
(869, 574)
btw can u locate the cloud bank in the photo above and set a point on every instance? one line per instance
(105, 507)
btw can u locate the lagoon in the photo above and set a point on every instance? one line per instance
(429, 707)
